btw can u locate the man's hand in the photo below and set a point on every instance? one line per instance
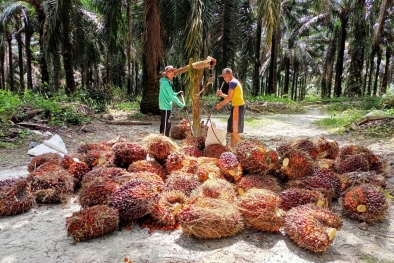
(220, 93)
(185, 108)
(218, 106)
(180, 92)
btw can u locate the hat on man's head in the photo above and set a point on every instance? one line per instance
(226, 71)
(168, 69)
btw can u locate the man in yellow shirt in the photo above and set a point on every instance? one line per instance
(235, 124)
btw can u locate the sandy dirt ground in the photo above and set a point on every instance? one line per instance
(39, 235)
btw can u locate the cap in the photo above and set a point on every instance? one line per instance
(169, 68)
(226, 71)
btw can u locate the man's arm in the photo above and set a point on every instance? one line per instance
(227, 99)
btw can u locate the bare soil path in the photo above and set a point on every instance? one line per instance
(40, 235)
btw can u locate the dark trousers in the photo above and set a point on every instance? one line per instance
(165, 122)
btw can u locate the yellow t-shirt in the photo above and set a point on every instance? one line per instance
(238, 94)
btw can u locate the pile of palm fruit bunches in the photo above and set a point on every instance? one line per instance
(208, 192)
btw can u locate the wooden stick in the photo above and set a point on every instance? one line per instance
(128, 123)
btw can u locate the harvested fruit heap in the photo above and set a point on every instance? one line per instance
(214, 196)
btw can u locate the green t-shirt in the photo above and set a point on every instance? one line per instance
(167, 95)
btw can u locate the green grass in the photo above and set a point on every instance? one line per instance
(338, 120)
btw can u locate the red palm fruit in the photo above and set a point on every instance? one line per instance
(192, 151)
(41, 159)
(327, 149)
(99, 158)
(365, 203)
(296, 164)
(180, 161)
(325, 178)
(147, 166)
(207, 170)
(260, 210)
(105, 172)
(352, 163)
(215, 150)
(92, 222)
(159, 146)
(15, 197)
(179, 132)
(181, 181)
(167, 206)
(76, 168)
(230, 166)
(305, 145)
(51, 186)
(70, 158)
(258, 181)
(126, 153)
(86, 148)
(98, 191)
(312, 227)
(216, 188)
(255, 157)
(296, 196)
(357, 178)
(135, 198)
(197, 141)
(205, 217)
(380, 165)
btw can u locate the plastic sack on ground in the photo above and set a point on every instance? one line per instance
(215, 135)
(53, 145)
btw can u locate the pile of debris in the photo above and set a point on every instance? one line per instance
(208, 192)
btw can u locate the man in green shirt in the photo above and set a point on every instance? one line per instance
(166, 97)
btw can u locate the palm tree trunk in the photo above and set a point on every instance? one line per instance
(11, 70)
(272, 78)
(28, 35)
(128, 47)
(67, 47)
(355, 79)
(42, 59)
(57, 69)
(18, 37)
(378, 60)
(2, 61)
(256, 69)
(152, 53)
(287, 76)
(387, 70)
(339, 66)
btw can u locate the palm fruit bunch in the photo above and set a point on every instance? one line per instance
(126, 153)
(326, 178)
(167, 206)
(180, 161)
(99, 190)
(357, 178)
(147, 166)
(76, 168)
(215, 150)
(327, 149)
(197, 141)
(258, 181)
(15, 197)
(180, 131)
(230, 166)
(380, 165)
(365, 203)
(92, 222)
(293, 197)
(70, 158)
(159, 146)
(182, 181)
(135, 198)
(105, 172)
(207, 168)
(260, 210)
(356, 149)
(301, 144)
(217, 189)
(205, 217)
(41, 159)
(255, 157)
(352, 163)
(312, 227)
(191, 151)
(51, 184)
(296, 164)
(87, 147)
